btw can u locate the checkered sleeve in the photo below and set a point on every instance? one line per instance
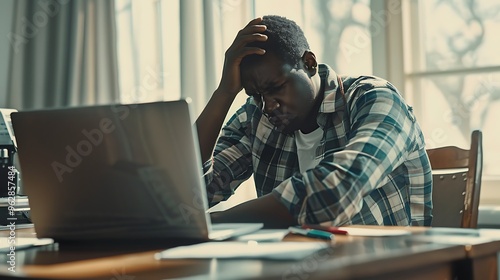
(378, 142)
(231, 163)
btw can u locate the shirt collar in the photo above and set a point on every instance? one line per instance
(333, 100)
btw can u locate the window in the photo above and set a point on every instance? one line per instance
(452, 71)
(143, 42)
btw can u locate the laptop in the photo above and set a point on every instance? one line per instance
(116, 172)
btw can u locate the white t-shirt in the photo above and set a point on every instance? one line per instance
(306, 148)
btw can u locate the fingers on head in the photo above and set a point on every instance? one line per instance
(253, 50)
(246, 39)
(252, 29)
(255, 21)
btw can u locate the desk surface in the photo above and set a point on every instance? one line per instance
(415, 256)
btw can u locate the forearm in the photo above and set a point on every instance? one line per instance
(210, 121)
(266, 209)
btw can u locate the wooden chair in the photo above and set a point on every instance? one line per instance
(457, 183)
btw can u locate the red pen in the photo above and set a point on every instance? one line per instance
(334, 230)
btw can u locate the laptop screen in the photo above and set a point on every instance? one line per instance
(116, 171)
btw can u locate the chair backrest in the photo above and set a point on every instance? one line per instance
(457, 183)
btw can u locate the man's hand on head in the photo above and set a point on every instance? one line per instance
(252, 32)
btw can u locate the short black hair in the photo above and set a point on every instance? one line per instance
(285, 39)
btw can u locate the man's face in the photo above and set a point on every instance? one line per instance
(286, 95)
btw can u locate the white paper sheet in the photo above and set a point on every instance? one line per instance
(251, 249)
(352, 231)
(22, 243)
(264, 235)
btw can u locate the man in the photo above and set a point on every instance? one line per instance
(322, 149)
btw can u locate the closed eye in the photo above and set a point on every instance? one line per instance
(269, 91)
(277, 88)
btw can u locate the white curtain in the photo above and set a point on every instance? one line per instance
(207, 30)
(63, 53)
(171, 49)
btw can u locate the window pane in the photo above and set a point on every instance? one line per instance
(454, 105)
(142, 77)
(458, 34)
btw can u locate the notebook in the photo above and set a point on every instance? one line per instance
(116, 172)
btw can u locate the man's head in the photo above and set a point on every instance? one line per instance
(285, 39)
(283, 81)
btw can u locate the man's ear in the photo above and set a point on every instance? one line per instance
(310, 63)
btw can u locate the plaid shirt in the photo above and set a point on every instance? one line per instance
(373, 170)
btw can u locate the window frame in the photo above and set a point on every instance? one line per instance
(397, 47)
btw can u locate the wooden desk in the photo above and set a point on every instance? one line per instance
(482, 249)
(404, 257)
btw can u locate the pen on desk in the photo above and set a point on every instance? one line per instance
(334, 230)
(311, 233)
